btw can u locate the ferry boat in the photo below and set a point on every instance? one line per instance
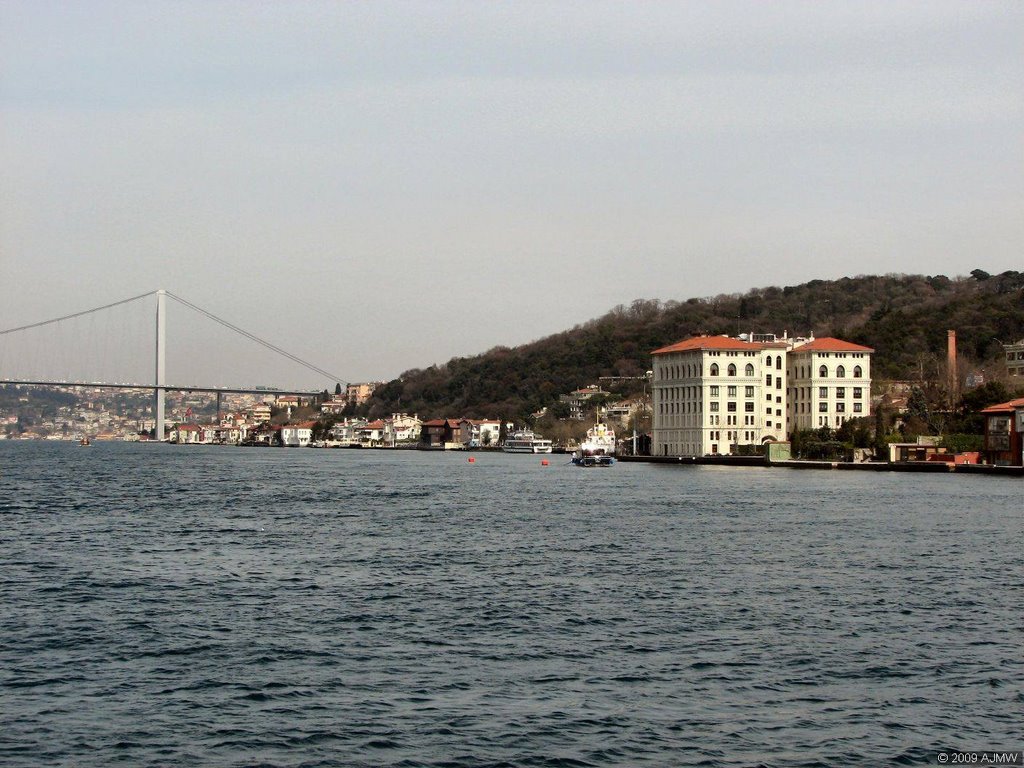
(598, 450)
(525, 441)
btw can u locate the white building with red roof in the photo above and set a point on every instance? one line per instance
(829, 382)
(713, 393)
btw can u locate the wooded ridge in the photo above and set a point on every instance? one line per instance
(903, 317)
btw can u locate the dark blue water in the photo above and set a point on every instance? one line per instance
(170, 605)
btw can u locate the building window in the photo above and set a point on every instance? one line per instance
(778, 382)
(841, 372)
(768, 380)
(857, 393)
(822, 407)
(748, 407)
(714, 369)
(714, 406)
(857, 373)
(858, 407)
(748, 370)
(732, 369)
(778, 363)
(749, 391)
(768, 361)
(822, 391)
(768, 411)
(730, 407)
(840, 407)
(732, 391)
(714, 391)
(840, 391)
(823, 372)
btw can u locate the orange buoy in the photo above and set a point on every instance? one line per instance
(544, 462)
(472, 459)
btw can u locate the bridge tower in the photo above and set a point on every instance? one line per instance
(161, 365)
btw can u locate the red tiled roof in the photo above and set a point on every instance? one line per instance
(830, 344)
(1005, 407)
(708, 342)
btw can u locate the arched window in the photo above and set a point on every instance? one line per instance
(857, 372)
(841, 372)
(749, 370)
(823, 371)
(768, 361)
(714, 369)
(732, 369)
(778, 363)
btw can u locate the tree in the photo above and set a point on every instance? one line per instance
(337, 388)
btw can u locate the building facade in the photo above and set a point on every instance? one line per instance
(707, 395)
(829, 382)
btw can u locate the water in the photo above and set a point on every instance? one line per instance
(171, 605)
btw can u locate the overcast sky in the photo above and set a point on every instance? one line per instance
(378, 186)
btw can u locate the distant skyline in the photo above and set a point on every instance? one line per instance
(383, 186)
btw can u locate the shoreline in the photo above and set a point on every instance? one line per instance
(873, 466)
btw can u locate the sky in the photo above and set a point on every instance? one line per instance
(383, 186)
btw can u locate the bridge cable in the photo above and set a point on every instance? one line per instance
(77, 314)
(253, 337)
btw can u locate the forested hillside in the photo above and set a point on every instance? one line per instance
(903, 317)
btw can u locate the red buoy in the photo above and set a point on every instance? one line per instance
(472, 459)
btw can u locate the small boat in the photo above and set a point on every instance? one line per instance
(84, 441)
(592, 461)
(524, 441)
(598, 450)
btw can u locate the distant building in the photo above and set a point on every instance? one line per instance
(357, 394)
(578, 399)
(261, 413)
(1015, 358)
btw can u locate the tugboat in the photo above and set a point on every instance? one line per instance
(598, 450)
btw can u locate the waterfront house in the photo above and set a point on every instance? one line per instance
(401, 428)
(476, 433)
(297, 435)
(189, 434)
(441, 434)
(371, 434)
(346, 432)
(1004, 433)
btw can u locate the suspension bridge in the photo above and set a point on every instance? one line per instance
(44, 374)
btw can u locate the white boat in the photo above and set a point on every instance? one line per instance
(525, 441)
(598, 450)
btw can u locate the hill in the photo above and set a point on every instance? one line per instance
(903, 317)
